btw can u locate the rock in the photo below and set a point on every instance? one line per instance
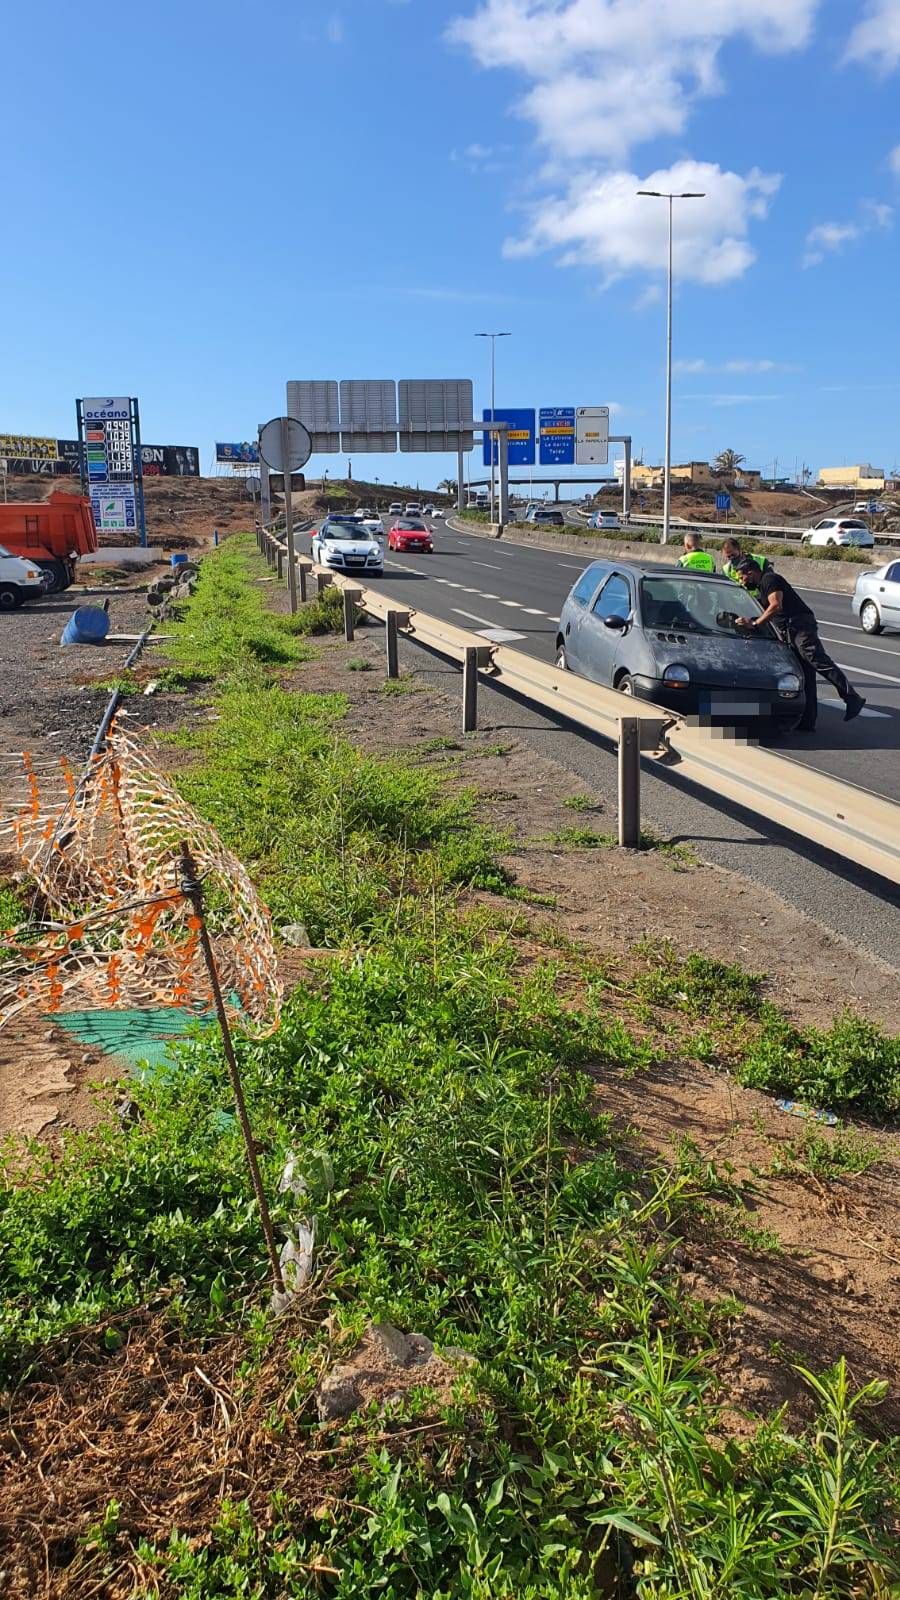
(338, 1396)
(421, 1349)
(295, 934)
(395, 1344)
(459, 1357)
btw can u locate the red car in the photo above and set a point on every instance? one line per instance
(408, 533)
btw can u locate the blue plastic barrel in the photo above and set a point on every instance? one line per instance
(179, 560)
(87, 625)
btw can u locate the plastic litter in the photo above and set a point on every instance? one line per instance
(796, 1108)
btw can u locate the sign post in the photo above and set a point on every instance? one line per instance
(285, 446)
(109, 439)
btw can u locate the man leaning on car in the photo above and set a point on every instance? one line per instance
(796, 623)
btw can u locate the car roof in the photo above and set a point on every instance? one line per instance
(652, 569)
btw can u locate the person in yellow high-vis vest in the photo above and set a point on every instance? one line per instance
(695, 557)
(734, 555)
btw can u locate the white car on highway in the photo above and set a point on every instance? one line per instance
(346, 546)
(841, 531)
(876, 598)
(372, 524)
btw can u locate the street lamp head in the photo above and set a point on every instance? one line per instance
(664, 194)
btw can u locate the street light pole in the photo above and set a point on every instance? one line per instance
(658, 194)
(493, 338)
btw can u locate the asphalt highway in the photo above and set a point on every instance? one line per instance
(513, 594)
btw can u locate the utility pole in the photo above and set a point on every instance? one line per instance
(493, 338)
(658, 194)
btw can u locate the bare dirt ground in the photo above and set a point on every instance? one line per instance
(833, 1282)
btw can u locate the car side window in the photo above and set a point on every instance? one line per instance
(583, 591)
(614, 599)
(893, 573)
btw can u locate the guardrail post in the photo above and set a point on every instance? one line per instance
(279, 562)
(350, 598)
(301, 576)
(470, 690)
(629, 783)
(323, 581)
(393, 666)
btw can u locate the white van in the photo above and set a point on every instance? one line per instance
(19, 581)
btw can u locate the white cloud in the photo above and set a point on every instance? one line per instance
(829, 238)
(334, 29)
(730, 399)
(876, 38)
(609, 74)
(740, 365)
(603, 222)
(599, 78)
(482, 157)
(894, 160)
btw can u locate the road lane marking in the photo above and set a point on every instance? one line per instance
(849, 645)
(532, 611)
(471, 617)
(489, 564)
(856, 672)
(516, 605)
(838, 705)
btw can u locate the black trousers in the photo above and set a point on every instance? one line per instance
(803, 638)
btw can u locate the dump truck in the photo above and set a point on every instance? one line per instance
(51, 533)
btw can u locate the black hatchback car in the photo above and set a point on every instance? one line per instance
(670, 636)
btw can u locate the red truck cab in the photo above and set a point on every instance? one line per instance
(51, 533)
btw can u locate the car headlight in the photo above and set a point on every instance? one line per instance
(789, 684)
(676, 676)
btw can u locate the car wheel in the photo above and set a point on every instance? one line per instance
(831, 541)
(562, 660)
(11, 597)
(57, 577)
(625, 684)
(869, 619)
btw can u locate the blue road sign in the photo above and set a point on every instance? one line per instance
(520, 436)
(872, 508)
(557, 436)
(723, 502)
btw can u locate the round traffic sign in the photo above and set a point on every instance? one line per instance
(253, 483)
(285, 436)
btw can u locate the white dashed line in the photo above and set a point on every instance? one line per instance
(516, 605)
(471, 617)
(848, 646)
(489, 564)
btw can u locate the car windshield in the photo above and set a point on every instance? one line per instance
(408, 525)
(686, 605)
(340, 530)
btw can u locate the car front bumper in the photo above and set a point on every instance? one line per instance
(719, 703)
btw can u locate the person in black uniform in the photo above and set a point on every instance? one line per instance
(796, 624)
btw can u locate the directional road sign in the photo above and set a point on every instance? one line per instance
(435, 413)
(315, 403)
(723, 501)
(557, 436)
(520, 435)
(368, 415)
(591, 436)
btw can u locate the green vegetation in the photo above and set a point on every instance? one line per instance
(581, 802)
(12, 911)
(429, 1078)
(226, 628)
(126, 684)
(851, 1067)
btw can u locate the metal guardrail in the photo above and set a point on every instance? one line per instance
(723, 530)
(858, 826)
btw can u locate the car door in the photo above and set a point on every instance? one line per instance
(888, 595)
(576, 612)
(599, 645)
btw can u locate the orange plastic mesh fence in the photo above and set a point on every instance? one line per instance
(114, 928)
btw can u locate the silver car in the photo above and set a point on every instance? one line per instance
(670, 636)
(876, 598)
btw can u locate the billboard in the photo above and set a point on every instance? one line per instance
(238, 455)
(591, 436)
(27, 446)
(114, 508)
(314, 402)
(170, 460)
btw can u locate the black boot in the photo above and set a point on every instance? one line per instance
(854, 704)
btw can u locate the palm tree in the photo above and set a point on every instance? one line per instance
(727, 462)
(448, 485)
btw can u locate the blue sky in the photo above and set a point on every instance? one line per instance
(203, 201)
